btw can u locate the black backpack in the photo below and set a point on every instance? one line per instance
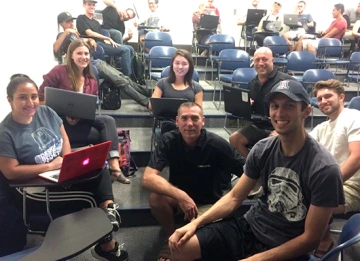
(138, 69)
(110, 96)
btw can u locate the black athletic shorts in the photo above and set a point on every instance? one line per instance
(253, 134)
(230, 240)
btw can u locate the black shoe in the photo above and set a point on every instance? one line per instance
(113, 215)
(114, 255)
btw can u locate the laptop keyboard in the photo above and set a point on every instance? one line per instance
(55, 176)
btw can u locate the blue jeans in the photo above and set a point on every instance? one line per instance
(122, 54)
(116, 35)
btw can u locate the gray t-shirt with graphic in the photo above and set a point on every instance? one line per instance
(290, 184)
(35, 143)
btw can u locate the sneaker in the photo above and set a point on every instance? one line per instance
(116, 254)
(113, 215)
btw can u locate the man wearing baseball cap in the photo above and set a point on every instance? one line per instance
(64, 16)
(302, 184)
(63, 39)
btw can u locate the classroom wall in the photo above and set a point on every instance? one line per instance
(28, 28)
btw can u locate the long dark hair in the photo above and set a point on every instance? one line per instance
(189, 74)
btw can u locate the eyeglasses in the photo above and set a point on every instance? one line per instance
(277, 3)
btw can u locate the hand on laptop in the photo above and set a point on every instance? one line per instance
(56, 163)
(72, 120)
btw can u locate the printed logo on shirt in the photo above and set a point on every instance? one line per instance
(49, 144)
(204, 166)
(285, 194)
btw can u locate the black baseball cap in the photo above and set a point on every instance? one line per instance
(64, 16)
(292, 89)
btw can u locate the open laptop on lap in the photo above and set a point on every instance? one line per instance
(208, 22)
(291, 20)
(70, 103)
(78, 163)
(166, 107)
(237, 102)
(271, 26)
(254, 16)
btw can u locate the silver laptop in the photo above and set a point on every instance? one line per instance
(291, 20)
(272, 26)
(166, 107)
(70, 103)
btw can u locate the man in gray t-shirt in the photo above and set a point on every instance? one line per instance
(302, 184)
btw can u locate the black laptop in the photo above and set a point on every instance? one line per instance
(208, 22)
(237, 102)
(166, 107)
(291, 20)
(254, 16)
(271, 26)
(70, 103)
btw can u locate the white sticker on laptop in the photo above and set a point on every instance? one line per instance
(244, 96)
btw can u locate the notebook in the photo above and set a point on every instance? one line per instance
(237, 102)
(78, 163)
(271, 26)
(166, 107)
(254, 16)
(208, 22)
(291, 20)
(70, 103)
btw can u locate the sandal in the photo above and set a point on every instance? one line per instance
(165, 254)
(121, 178)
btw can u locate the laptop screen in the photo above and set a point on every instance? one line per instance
(254, 16)
(70, 103)
(208, 22)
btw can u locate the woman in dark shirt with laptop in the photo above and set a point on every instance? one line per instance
(179, 84)
(75, 75)
(33, 140)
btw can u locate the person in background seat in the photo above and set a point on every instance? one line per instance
(305, 22)
(113, 21)
(155, 19)
(87, 25)
(336, 30)
(136, 92)
(273, 16)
